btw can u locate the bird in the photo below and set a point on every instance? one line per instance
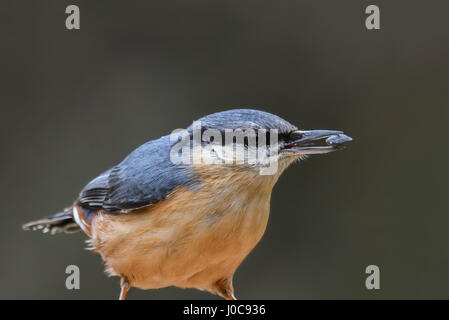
(158, 222)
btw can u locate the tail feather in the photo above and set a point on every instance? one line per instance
(59, 222)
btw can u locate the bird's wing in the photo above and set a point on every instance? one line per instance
(145, 177)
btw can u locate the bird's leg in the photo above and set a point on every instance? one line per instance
(225, 289)
(124, 284)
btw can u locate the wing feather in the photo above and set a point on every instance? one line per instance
(145, 177)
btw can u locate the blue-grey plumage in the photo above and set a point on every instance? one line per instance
(157, 223)
(245, 119)
(144, 177)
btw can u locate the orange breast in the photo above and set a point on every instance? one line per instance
(190, 239)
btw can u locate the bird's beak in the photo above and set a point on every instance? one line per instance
(315, 141)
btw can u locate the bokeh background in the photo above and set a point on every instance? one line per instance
(74, 103)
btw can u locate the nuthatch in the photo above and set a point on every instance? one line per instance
(157, 223)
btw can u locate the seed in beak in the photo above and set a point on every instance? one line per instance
(338, 139)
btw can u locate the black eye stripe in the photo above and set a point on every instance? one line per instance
(283, 137)
(292, 136)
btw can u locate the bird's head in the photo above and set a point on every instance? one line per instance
(254, 142)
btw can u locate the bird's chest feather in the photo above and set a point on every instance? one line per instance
(189, 239)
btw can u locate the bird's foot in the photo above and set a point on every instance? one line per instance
(124, 284)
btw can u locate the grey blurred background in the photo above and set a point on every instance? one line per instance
(74, 103)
